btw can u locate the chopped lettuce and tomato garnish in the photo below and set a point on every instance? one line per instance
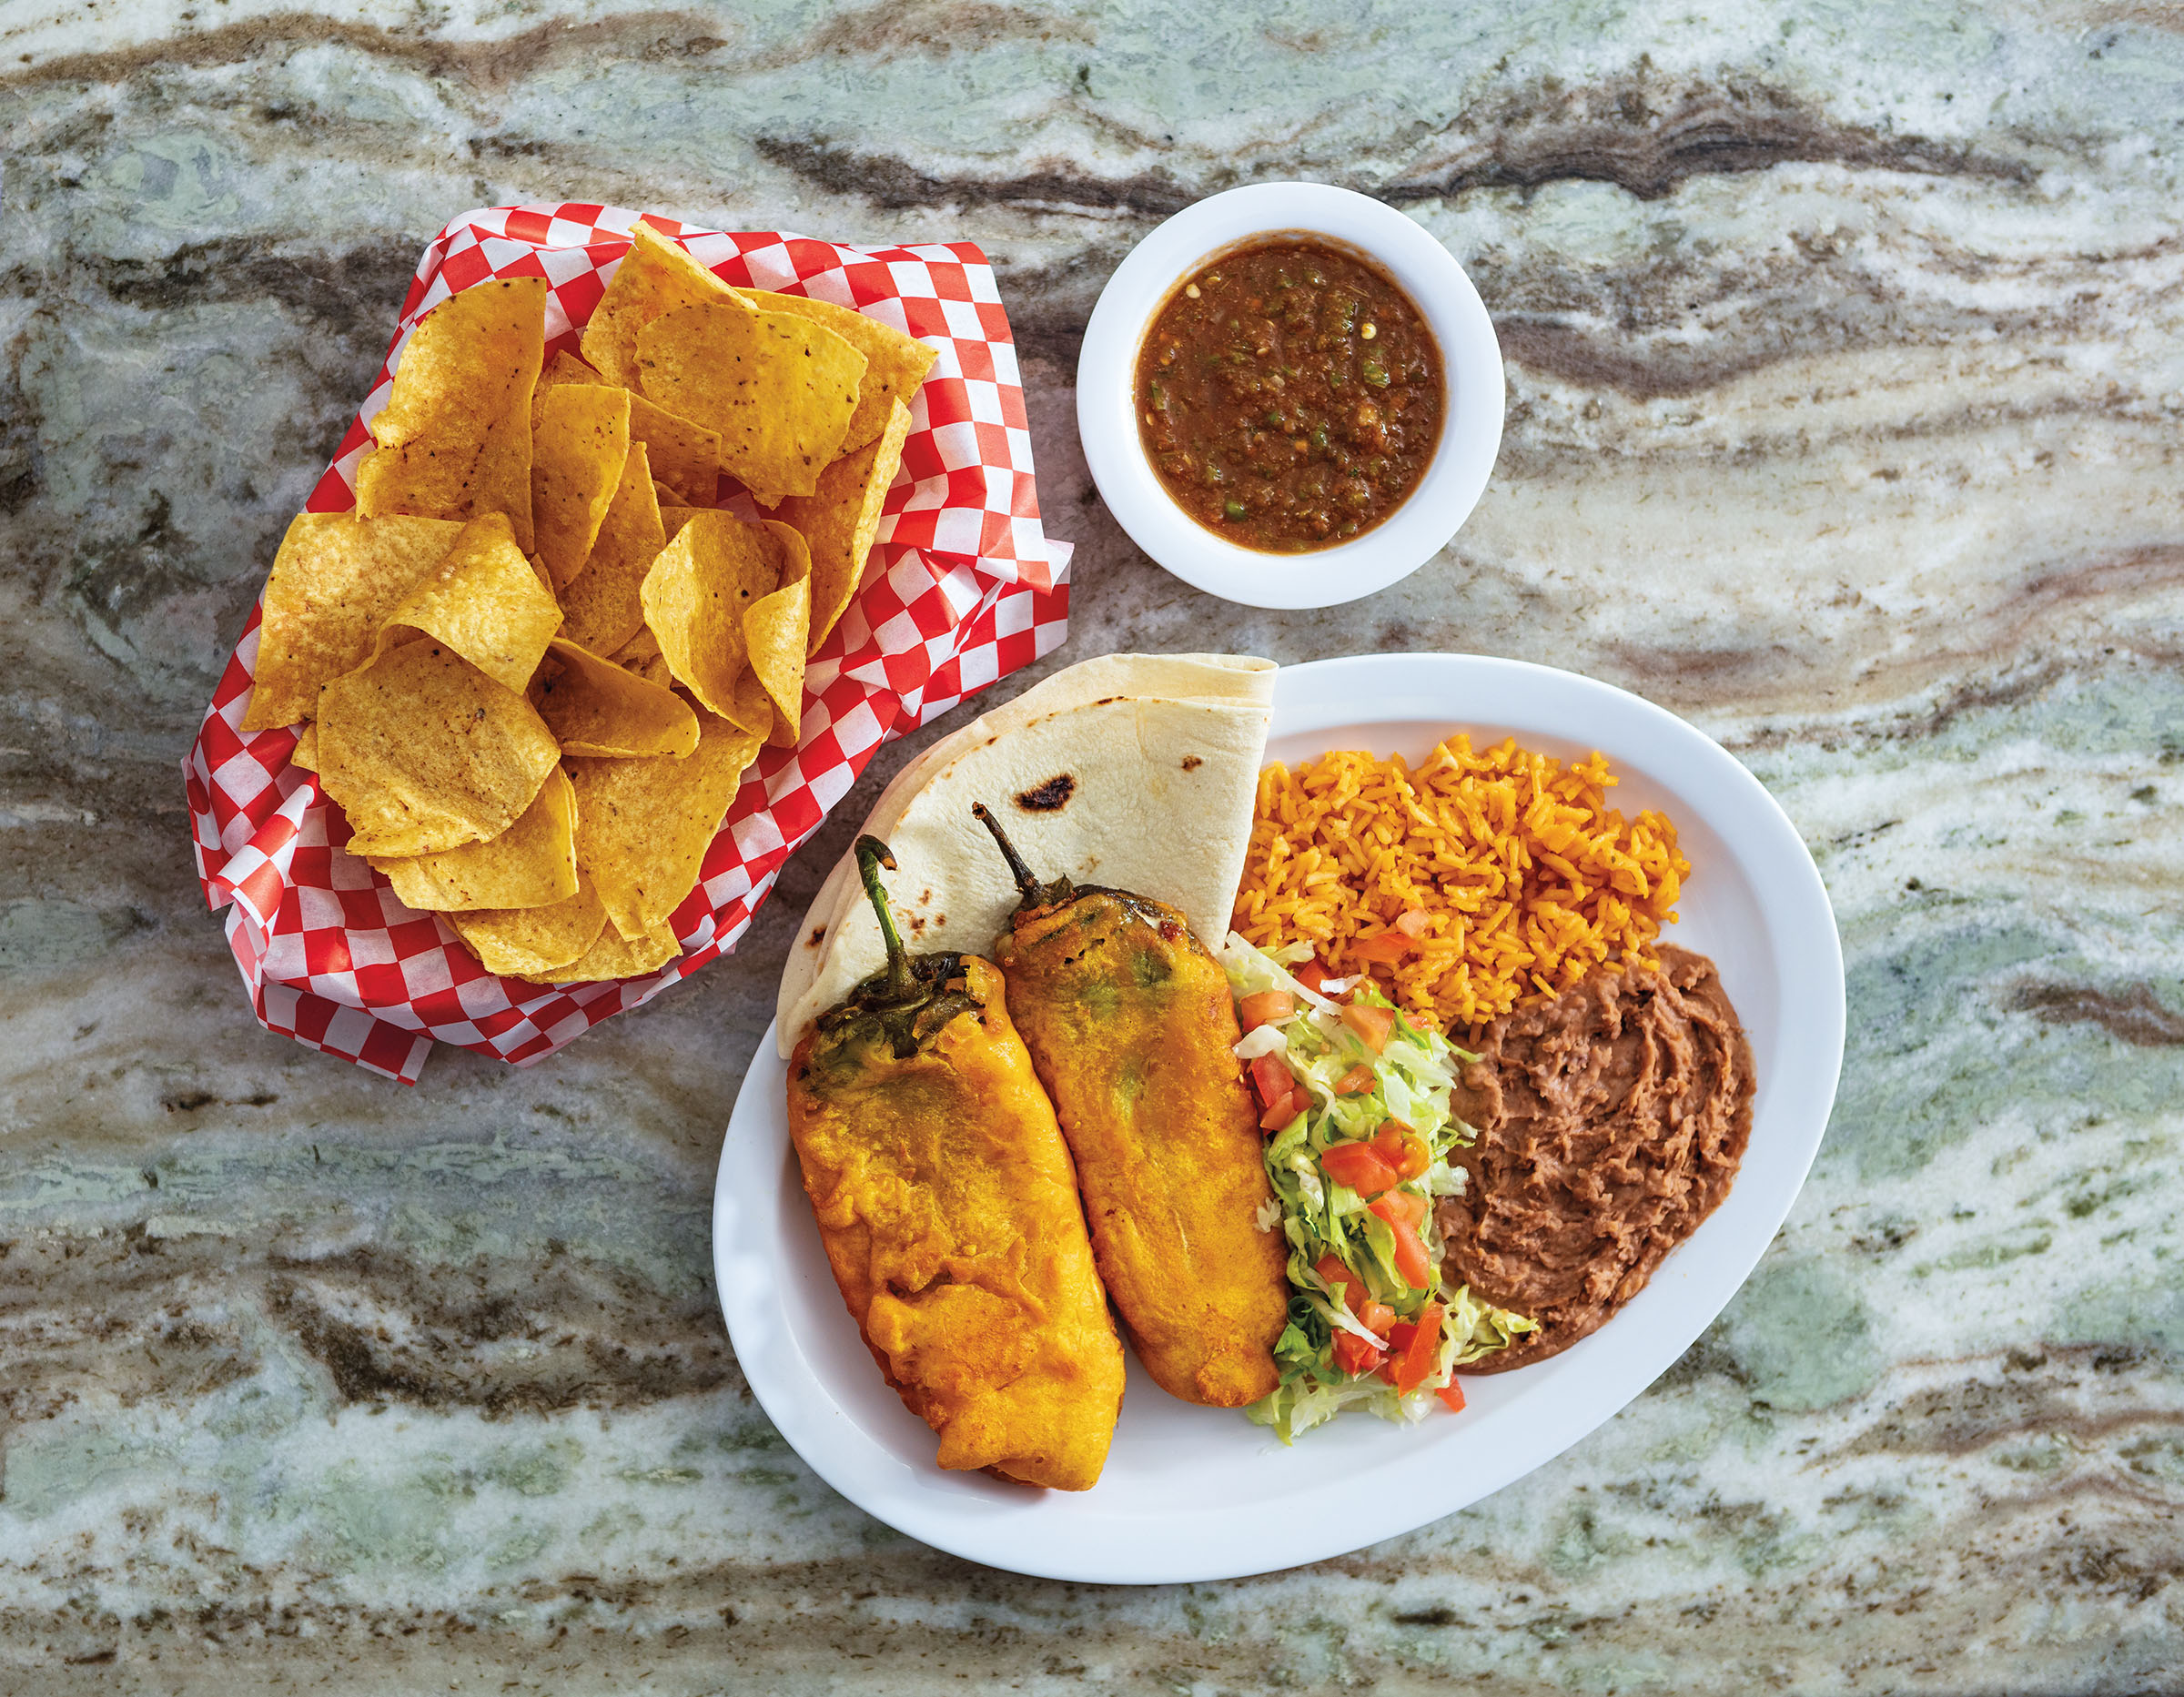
(1354, 1099)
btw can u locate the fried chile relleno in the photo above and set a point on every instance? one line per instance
(948, 1206)
(1131, 1027)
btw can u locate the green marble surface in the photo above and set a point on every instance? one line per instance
(1845, 352)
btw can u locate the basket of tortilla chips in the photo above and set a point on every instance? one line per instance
(645, 540)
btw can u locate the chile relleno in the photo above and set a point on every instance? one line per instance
(948, 1205)
(1132, 1027)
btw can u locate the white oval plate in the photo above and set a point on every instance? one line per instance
(1193, 1493)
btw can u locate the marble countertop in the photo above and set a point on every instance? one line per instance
(1845, 352)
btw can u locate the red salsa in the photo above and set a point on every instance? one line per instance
(1289, 395)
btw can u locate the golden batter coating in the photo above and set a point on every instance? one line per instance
(949, 1209)
(1131, 1025)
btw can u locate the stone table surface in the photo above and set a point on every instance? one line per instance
(1845, 350)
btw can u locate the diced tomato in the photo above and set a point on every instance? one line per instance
(1388, 948)
(1280, 1095)
(1265, 1008)
(1402, 1149)
(1271, 1077)
(1354, 1355)
(1452, 1394)
(1410, 1253)
(1413, 1356)
(1398, 1340)
(1340, 1280)
(1356, 1165)
(1408, 1208)
(1311, 974)
(1357, 1081)
(1411, 1259)
(1413, 922)
(1376, 1317)
(1373, 1024)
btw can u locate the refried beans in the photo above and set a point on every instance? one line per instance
(1610, 1122)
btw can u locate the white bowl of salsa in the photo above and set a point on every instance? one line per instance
(1290, 395)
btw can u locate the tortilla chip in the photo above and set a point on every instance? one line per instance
(523, 941)
(655, 276)
(612, 956)
(334, 582)
(752, 709)
(843, 517)
(895, 364)
(602, 610)
(484, 602)
(304, 754)
(583, 440)
(776, 629)
(565, 367)
(673, 518)
(423, 752)
(778, 388)
(730, 605)
(532, 864)
(454, 440)
(642, 655)
(594, 707)
(695, 596)
(685, 457)
(642, 826)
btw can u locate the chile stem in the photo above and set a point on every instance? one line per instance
(873, 854)
(1027, 885)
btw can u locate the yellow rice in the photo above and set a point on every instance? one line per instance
(1529, 882)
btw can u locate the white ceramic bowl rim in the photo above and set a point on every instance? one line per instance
(1470, 433)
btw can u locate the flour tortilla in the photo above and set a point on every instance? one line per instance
(1162, 752)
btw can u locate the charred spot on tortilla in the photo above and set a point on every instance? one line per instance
(1049, 797)
(1191, 762)
(818, 936)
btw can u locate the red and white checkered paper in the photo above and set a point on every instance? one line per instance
(963, 587)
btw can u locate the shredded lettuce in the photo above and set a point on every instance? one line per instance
(1252, 969)
(1412, 1078)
